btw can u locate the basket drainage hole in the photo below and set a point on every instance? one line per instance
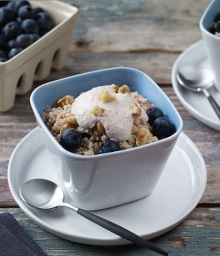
(19, 81)
(56, 54)
(38, 68)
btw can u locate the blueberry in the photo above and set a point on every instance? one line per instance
(37, 10)
(217, 17)
(10, 5)
(71, 139)
(18, 17)
(3, 3)
(18, 20)
(26, 12)
(11, 30)
(109, 146)
(34, 37)
(13, 52)
(3, 54)
(154, 113)
(3, 42)
(18, 3)
(11, 44)
(162, 127)
(23, 40)
(30, 26)
(215, 27)
(2, 59)
(6, 15)
(45, 21)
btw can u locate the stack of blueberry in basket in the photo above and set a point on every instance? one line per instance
(20, 26)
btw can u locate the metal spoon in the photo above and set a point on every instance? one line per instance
(198, 79)
(46, 195)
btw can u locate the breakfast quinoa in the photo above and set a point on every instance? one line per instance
(61, 117)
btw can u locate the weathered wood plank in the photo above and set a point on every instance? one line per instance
(137, 26)
(157, 65)
(196, 236)
(149, 36)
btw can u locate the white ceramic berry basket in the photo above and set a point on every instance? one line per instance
(35, 62)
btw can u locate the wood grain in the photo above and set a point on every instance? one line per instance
(150, 36)
(196, 236)
(138, 26)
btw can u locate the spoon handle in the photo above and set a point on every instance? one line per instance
(118, 230)
(214, 104)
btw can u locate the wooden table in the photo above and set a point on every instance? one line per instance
(147, 35)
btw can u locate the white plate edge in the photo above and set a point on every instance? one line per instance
(194, 112)
(117, 240)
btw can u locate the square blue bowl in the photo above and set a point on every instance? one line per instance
(107, 180)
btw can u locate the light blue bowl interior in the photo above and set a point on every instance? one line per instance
(209, 15)
(46, 94)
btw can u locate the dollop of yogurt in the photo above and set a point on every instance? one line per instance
(117, 117)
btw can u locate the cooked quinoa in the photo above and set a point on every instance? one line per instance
(59, 117)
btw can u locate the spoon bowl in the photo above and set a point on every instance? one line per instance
(195, 78)
(44, 194)
(47, 195)
(198, 79)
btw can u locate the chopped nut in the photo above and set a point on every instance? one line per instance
(63, 101)
(136, 111)
(55, 129)
(115, 87)
(98, 111)
(100, 128)
(96, 148)
(142, 136)
(124, 89)
(65, 126)
(71, 119)
(106, 96)
(70, 122)
(125, 145)
(104, 138)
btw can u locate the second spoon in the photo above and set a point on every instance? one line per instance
(198, 79)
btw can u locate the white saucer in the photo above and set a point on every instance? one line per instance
(196, 103)
(179, 190)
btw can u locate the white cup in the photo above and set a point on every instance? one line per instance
(211, 41)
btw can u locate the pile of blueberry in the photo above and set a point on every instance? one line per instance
(162, 127)
(215, 27)
(20, 26)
